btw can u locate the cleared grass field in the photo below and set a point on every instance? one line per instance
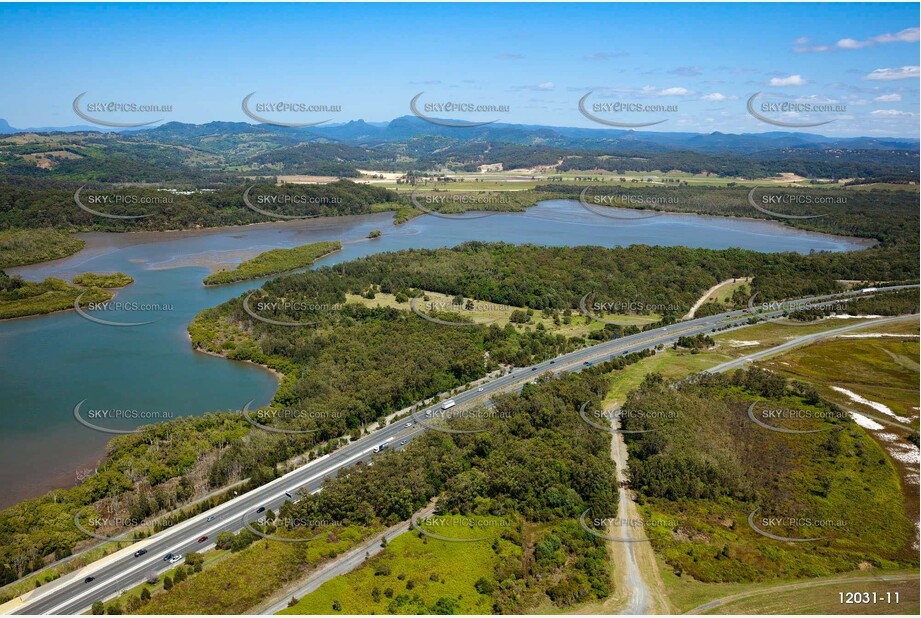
(495, 313)
(882, 369)
(417, 574)
(681, 363)
(778, 598)
(827, 600)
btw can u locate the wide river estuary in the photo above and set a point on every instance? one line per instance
(52, 363)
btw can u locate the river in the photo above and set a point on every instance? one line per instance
(51, 363)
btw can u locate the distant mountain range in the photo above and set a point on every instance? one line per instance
(366, 134)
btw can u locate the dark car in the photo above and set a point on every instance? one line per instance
(533, 368)
(140, 553)
(203, 539)
(586, 363)
(553, 362)
(88, 580)
(168, 557)
(260, 509)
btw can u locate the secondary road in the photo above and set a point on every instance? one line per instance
(340, 565)
(122, 570)
(739, 362)
(842, 581)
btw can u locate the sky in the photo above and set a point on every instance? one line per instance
(532, 62)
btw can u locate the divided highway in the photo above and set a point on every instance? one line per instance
(122, 570)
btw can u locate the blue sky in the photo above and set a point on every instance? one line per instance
(537, 59)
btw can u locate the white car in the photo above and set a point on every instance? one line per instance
(408, 424)
(479, 390)
(176, 558)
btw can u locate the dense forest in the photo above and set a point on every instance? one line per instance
(894, 165)
(30, 205)
(889, 216)
(537, 462)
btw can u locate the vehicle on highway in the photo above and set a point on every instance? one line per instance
(533, 368)
(175, 559)
(553, 362)
(211, 517)
(625, 352)
(586, 363)
(403, 442)
(382, 445)
(168, 557)
(261, 509)
(203, 539)
(88, 580)
(409, 424)
(140, 553)
(450, 403)
(479, 390)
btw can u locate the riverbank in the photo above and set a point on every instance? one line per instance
(113, 373)
(98, 244)
(29, 299)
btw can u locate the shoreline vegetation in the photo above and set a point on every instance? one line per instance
(22, 247)
(23, 299)
(274, 262)
(390, 347)
(845, 211)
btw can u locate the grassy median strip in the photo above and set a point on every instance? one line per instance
(274, 262)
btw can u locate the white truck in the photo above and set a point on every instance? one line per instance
(380, 447)
(450, 403)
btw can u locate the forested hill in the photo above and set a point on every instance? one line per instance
(218, 151)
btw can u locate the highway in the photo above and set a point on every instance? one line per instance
(122, 570)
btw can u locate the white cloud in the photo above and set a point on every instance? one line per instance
(792, 80)
(545, 86)
(908, 35)
(853, 44)
(890, 113)
(890, 74)
(888, 98)
(718, 96)
(676, 91)
(800, 49)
